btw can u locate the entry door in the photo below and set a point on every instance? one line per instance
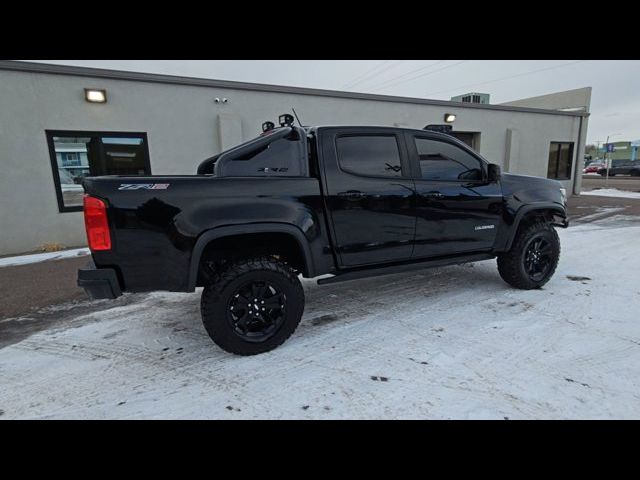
(369, 196)
(457, 209)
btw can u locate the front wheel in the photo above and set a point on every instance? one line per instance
(252, 306)
(533, 257)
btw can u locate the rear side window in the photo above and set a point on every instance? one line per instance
(444, 161)
(282, 157)
(370, 155)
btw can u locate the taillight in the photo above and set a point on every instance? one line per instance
(95, 221)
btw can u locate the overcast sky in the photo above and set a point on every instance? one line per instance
(615, 102)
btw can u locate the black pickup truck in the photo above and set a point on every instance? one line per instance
(341, 202)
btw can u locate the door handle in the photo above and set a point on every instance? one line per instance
(352, 194)
(433, 195)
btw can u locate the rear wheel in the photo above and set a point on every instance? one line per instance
(533, 257)
(252, 306)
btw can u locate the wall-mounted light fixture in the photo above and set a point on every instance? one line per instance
(95, 95)
(449, 117)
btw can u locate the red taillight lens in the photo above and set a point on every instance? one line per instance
(95, 221)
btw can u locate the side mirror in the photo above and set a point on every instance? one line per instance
(493, 172)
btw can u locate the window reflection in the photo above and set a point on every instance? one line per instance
(79, 156)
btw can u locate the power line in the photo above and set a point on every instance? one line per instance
(394, 64)
(391, 80)
(426, 74)
(507, 77)
(357, 77)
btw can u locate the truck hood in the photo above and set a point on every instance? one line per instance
(530, 189)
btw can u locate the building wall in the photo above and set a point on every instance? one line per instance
(184, 125)
(576, 98)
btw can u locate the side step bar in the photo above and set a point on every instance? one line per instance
(404, 267)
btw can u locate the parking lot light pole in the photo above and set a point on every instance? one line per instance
(607, 157)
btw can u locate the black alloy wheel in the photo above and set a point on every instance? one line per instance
(256, 311)
(537, 258)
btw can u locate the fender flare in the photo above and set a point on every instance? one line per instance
(557, 208)
(220, 232)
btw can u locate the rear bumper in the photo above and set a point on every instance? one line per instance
(99, 282)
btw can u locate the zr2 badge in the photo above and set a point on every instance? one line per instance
(143, 186)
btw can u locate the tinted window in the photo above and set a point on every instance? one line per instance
(280, 157)
(77, 155)
(560, 161)
(445, 161)
(370, 155)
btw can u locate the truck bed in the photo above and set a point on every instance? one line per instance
(155, 221)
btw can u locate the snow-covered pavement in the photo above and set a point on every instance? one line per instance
(611, 192)
(452, 342)
(42, 257)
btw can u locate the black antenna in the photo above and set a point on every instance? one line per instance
(294, 112)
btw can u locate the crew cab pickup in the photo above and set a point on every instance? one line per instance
(336, 202)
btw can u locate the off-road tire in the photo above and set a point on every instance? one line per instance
(217, 295)
(511, 264)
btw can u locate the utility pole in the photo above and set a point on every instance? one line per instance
(608, 160)
(608, 155)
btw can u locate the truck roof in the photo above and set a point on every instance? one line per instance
(381, 127)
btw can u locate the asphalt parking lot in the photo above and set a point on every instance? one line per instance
(37, 285)
(589, 182)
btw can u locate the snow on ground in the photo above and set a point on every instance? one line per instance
(452, 342)
(41, 257)
(611, 192)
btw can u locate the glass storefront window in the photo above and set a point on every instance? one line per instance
(560, 160)
(78, 155)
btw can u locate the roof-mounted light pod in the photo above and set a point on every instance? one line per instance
(285, 120)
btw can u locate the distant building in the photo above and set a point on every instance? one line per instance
(71, 155)
(623, 150)
(473, 97)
